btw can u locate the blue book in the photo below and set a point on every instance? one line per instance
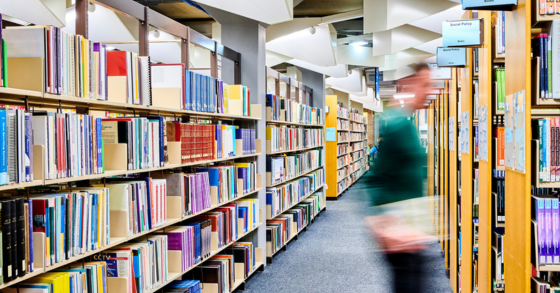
(234, 153)
(28, 160)
(94, 220)
(187, 89)
(3, 150)
(99, 147)
(149, 200)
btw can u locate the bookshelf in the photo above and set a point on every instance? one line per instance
(453, 181)
(285, 93)
(29, 99)
(351, 138)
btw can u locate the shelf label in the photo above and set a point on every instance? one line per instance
(450, 57)
(439, 73)
(505, 5)
(462, 33)
(331, 134)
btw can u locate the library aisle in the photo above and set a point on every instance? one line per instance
(339, 246)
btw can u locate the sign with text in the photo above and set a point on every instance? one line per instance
(463, 33)
(439, 73)
(451, 57)
(502, 5)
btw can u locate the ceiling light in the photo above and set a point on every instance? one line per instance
(70, 15)
(91, 7)
(154, 34)
(403, 96)
(359, 43)
(312, 30)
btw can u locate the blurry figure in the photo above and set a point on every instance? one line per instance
(379, 141)
(372, 152)
(402, 221)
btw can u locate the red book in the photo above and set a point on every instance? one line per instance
(116, 63)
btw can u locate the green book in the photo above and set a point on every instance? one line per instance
(4, 64)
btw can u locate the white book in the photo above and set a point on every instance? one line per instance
(555, 36)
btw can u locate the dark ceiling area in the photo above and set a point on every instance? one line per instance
(320, 8)
(197, 19)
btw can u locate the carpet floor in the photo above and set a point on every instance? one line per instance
(336, 254)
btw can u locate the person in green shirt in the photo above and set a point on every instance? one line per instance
(401, 220)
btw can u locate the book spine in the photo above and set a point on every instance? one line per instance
(555, 231)
(548, 229)
(541, 230)
(20, 225)
(6, 241)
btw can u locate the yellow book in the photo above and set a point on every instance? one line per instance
(236, 101)
(226, 98)
(85, 68)
(59, 280)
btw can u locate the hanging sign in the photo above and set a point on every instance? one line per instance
(502, 5)
(451, 57)
(439, 73)
(463, 33)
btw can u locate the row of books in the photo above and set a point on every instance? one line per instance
(347, 181)
(500, 32)
(500, 186)
(282, 197)
(357, 127)
(500, 85)
(343, 136)
(342, 149)
(549, 7)
(341, 112)
(356, 136)
(544, 48)
(209, 186)
(475, 144)
(62, 63)
(343, 161)
(354, 116)
(498, 134)
(498, 253)
(48, 59)
(342, 124)
(282, 109)
(284, 227)
(357, 146)
(283, 138)
(546, 214)
(546, 286)
(16, 145)
(220, 269)
(547, 131)
(284, 168)
(356, 155)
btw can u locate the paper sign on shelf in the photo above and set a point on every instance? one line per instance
(451, 57)
(331, 134)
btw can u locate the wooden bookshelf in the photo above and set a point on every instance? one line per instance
(332, 101)
(517, 248)
(453, 183)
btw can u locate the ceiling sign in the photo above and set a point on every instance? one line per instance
(463, 33)
(451, 57)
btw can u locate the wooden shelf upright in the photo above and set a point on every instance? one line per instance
(453, 183)
(517, 248)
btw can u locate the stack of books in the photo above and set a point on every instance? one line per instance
(283, 138)
(280, 169)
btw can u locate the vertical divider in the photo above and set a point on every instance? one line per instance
(453, 192)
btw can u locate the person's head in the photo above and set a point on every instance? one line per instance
(422, 84)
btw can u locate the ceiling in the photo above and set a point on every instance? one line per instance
(404, 32)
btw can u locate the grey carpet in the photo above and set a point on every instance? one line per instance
(336, 254)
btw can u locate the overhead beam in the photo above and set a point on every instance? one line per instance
(343, 16)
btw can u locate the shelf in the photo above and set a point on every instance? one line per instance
(42, 99)
(342, 118)
(346, 153)
(343, 130)
(298, 176)
(118, 173)
(293, 151)
(120, 240)
(304, 198)
(338, 168)
(293, 123)
(349, 175)
(258, 264)
(174, 275)
(341, 142)
(293, 236)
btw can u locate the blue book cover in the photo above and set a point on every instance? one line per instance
(99, 147)
(219, 140)
(187, 89)
(3, 151)
(234, 153)
(28, 160)
(149, 200)
(94, 220)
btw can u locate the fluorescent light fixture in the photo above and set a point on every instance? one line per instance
(359, 43)
(403, 95)
(70, 15)
(431, 97)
